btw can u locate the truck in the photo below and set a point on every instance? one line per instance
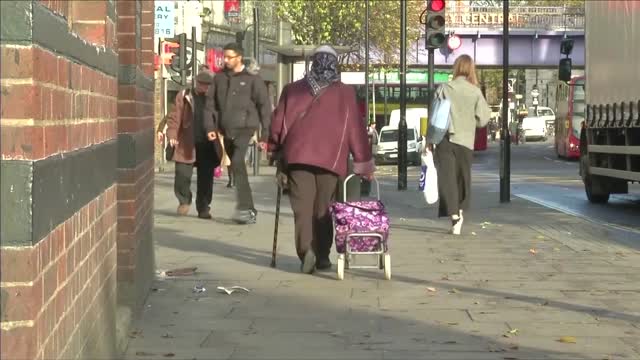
(610, 135)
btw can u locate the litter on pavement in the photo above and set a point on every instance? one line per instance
(232, 289)
(199, 289)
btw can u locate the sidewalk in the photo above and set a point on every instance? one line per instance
(523, 282)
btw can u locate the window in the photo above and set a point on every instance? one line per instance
(545, 112)
(392, 135)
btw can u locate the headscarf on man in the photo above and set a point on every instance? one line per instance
(324, 69)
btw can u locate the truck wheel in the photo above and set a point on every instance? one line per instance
(595, 191)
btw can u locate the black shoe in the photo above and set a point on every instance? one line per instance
(323, 264)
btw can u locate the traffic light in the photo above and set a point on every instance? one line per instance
(179, 61)
(435, 24)
(564, 69)
(167, 52)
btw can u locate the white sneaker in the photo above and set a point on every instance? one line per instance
(456, 221)
(309, 262)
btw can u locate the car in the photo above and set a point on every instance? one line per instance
(545, 113)
(535, 127)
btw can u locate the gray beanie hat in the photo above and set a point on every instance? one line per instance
(325, 49)
(205, 76)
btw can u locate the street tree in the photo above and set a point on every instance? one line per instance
(341, 23)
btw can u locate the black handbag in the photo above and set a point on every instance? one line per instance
(168, 152)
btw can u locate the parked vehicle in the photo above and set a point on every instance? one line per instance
(610, 137)
(534, 127)
(387, 149)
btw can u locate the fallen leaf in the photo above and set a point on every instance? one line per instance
(484, 227)
(144, 353)
(476, 302)
(169, 355)
(182, 271)
(453, 291)
(452, 323)
(514, 331)
(514, 347)
(446, 278)
(567, 340)
(556, 249)
(540, 237)
(533, 251)
(431, 289)
(167, 336)
(473, 233)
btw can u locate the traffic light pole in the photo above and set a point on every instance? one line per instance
(183, 59)
(505, 137)
(431, 81)
(402, 128)
(256, 38)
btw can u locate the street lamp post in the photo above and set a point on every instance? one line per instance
(402, 128)
(256, 37)
(505, 137)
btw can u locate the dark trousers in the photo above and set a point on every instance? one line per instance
(206, 161)
(453, 163)
(236, 145)
(311, 191)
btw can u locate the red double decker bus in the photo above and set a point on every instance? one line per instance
(570, 112)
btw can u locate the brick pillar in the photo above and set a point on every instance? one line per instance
(58, 180)
(135, 160)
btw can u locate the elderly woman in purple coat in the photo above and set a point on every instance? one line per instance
(315, 127)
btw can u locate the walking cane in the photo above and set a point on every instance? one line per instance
(275, 228)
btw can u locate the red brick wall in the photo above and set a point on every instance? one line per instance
(135, 124)
(62, 286)
(60, 289)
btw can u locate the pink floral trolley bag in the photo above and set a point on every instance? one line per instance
(361, 228)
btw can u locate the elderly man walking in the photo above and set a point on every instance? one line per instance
(194, 143)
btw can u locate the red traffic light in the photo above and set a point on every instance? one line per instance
(436, 5)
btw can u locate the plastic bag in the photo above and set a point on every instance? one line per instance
(429, 179)
(217, 172)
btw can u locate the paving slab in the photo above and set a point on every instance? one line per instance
(581, 282)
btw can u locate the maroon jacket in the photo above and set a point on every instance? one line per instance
(330, 130)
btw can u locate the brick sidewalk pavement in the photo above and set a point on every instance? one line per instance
(520, 279)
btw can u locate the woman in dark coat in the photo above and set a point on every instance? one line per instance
(315, 127)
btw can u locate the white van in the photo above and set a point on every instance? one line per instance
(535, 127)
(387, 148)
(413, 117)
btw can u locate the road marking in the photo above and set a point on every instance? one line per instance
(568, 211)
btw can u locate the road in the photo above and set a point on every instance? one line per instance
(539, 176)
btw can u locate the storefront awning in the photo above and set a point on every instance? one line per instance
(302, 51)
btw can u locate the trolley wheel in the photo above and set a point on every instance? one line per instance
(341, 267)
(387, 266)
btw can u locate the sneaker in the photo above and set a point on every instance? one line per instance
(245, 217)
(309, 262)
(323, 264)
(183, 209)
(456, 224)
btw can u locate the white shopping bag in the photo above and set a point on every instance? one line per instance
(430, 175)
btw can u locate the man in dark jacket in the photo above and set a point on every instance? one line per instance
(239, 101)
(192, 137)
